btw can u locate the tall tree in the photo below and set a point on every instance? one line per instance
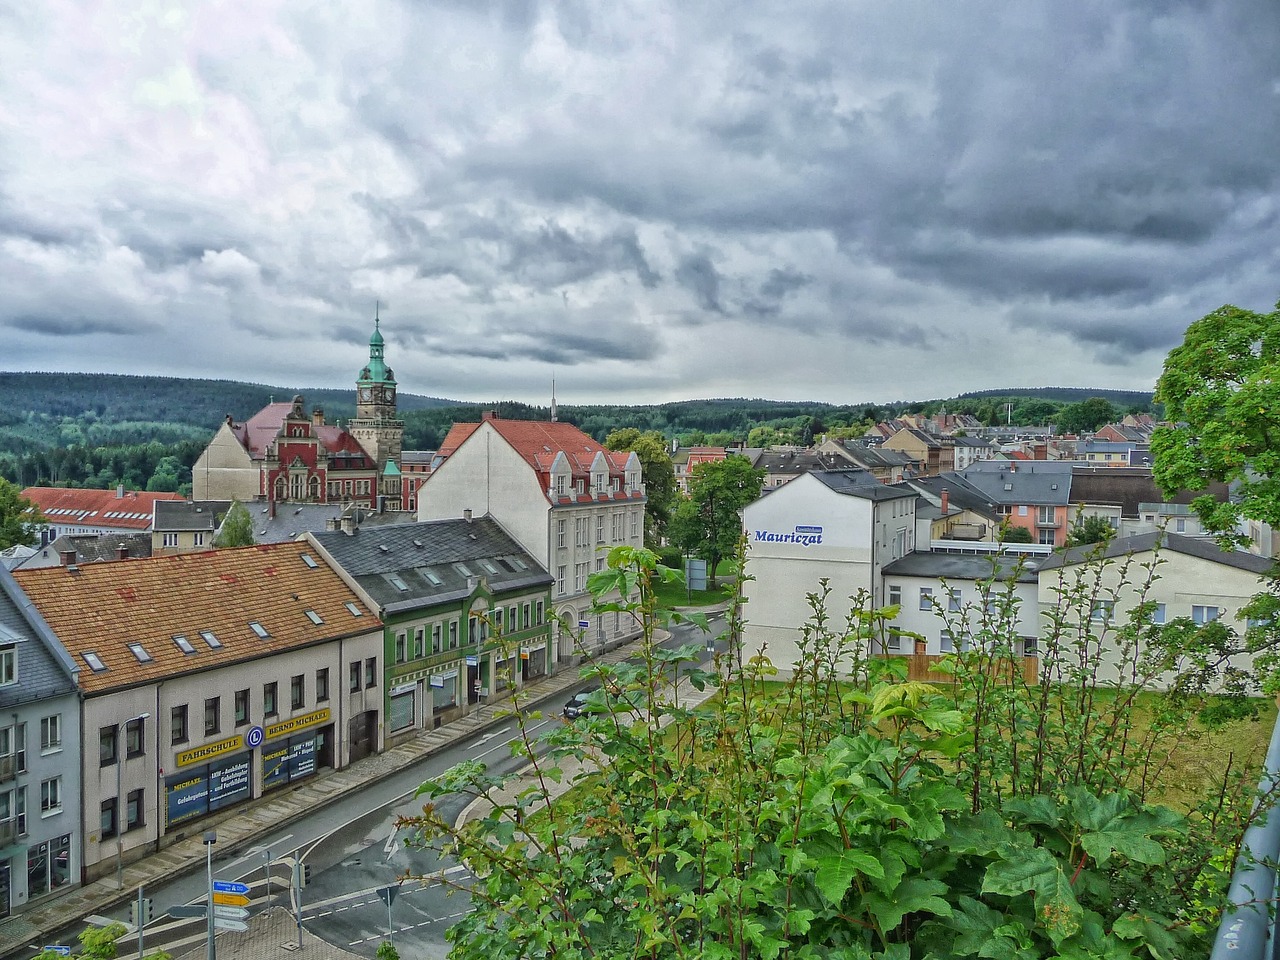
(1092, 529)
(1086, 415)
(656, 471)
(20, 521)
(237, 528)
(719, 489)
(1221, 394)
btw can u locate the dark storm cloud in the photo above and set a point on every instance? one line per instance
(535, 182)
(70, 325)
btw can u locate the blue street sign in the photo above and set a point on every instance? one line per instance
(60, 949)
(584, 624)
(230, 886)
(254, 736)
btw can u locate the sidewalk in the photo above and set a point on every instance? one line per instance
(240, 828)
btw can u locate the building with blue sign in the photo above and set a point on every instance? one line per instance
(208, 680)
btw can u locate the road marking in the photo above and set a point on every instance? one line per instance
(262, 848)
(391, 846)
(497, 733)
(507, 745)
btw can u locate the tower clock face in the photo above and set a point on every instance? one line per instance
(365, 394)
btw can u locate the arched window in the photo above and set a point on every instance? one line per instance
(314, 491)
(279, 488)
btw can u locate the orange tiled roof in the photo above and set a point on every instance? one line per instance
(102, 608)
(97, 508)
(453, 439)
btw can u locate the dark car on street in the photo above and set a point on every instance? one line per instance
(577, 704)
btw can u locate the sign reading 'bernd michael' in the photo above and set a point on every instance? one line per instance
(805, 536)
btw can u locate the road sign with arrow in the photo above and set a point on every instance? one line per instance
(187, 910)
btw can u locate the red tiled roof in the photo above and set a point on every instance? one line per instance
(453, 439)
(102, 608)
(259, 431)
(97, 508)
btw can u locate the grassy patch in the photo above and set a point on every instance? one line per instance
(672, 595)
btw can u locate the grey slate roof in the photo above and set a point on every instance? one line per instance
(963, 566)
(1129, 487)
(1191, 546)
(89, 548)
(860, 483)
(44, 668)
(872, 456)
(960, 494)
(1031, 482)
(371, 556)
(189, 515)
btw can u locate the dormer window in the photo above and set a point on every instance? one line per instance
(562, 485)
(600, 481)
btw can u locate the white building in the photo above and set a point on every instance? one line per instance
(559, 494)
(820, 525)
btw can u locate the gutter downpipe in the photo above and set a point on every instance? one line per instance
(1246, 927)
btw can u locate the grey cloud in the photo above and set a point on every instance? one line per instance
(72, 325)
(697, 274)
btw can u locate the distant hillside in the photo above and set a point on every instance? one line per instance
(1121, 398)
(114, 398)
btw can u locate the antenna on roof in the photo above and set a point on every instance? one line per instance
(377, 305)
(554, 416)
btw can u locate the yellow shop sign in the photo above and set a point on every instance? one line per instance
(208, 751)
(295, 724)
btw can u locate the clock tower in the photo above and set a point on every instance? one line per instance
(375, 425)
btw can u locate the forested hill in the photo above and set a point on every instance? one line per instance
(1121, 398)
(114, 398)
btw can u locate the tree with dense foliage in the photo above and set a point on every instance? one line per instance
(846, 813)
(658, 474)
(20, 521)
(718, 490)
(1010, 533)
(1091, 529)
(1221, 394)
(1086, 416)
(237, 528)
(99, 943)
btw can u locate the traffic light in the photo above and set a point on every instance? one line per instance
(148, 912)
(306, 874)
(301, 874)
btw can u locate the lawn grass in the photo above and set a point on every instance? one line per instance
(671, 595)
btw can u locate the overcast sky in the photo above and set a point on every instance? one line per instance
(647, 200)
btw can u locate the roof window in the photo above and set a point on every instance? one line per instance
(355, 611)
(309, 560)
(184, 644)
(259, 629)
(488, 567)
(313, 616)
(520, 564)
(430, 576)
(395, 580)
(139, 651)
(211, 639)
(94, 662)
(463, 569)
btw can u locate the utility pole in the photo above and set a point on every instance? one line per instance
(210, 838)
(142, 924)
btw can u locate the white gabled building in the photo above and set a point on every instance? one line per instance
(559, 494)
(829, 525)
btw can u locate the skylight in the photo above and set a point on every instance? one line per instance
(140, 652)
(395, 581)
(355, 611)
(489, 567)
(95, 664)
(313, 616)
(259, 629)
(184, 644)
(209, 638)
(520, 564)
(431, 577)
(309, 560)
(463, 569)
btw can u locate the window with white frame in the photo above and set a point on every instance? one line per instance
(953, 599)
(1102, 611)
(1204, 614)
(1030, 647)
(895, 596)
(562, 485)
(1046, 514)
(893, 643)
(560, 531)
(198, 539)
(635, 523)
(560, 575)
(1047, 537)
(50, 796)
(170, 540)
(947, 641)
(1157, 613)
(926, 598)
(8, 664)
(600, 528)
(51, 733)
(580, 571)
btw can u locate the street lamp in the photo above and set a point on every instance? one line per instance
(210, 838)
(122, 751)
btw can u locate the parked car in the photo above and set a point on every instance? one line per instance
(577, 704)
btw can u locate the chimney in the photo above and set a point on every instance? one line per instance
(466, 514)
(120, 491)
(317, 417)
(946, 500)
(271, 509)
(349, 526)
(122, 552)
(67, 558)
(229, 420)
(489, 415)
(333, 523)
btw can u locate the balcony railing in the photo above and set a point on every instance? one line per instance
(1248, 928)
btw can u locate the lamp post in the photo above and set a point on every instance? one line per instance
(122, 751)
(210, 838)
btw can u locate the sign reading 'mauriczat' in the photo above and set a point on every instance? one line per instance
(805, 536)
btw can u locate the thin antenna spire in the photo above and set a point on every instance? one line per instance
(377, 307)
(554, 416)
